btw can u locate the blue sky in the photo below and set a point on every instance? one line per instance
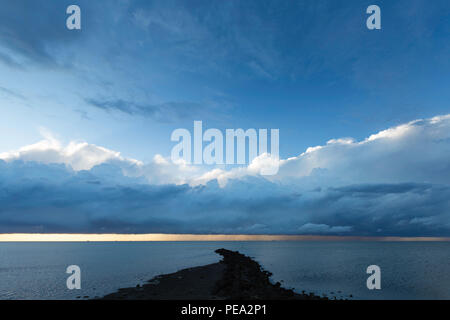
(140, 69)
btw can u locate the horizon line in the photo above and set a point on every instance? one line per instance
(163, 237)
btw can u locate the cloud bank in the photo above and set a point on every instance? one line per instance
(393, 183)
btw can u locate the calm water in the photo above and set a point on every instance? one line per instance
(409, 270)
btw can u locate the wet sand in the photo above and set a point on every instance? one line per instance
(236, 277)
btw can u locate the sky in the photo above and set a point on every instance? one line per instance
(363, 115)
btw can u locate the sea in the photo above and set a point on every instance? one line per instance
(408, 270)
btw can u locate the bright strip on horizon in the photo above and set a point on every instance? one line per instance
(36, 237)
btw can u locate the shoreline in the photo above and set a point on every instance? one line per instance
(235, 277)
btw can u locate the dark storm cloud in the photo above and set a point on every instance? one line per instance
(383, 188)
(61, 200)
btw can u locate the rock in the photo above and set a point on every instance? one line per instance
(235, 277)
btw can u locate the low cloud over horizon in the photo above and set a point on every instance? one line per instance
(393, 183)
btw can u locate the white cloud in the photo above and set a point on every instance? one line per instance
(163, 171)
(77, 155)
(416, 151)
(395, 181)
